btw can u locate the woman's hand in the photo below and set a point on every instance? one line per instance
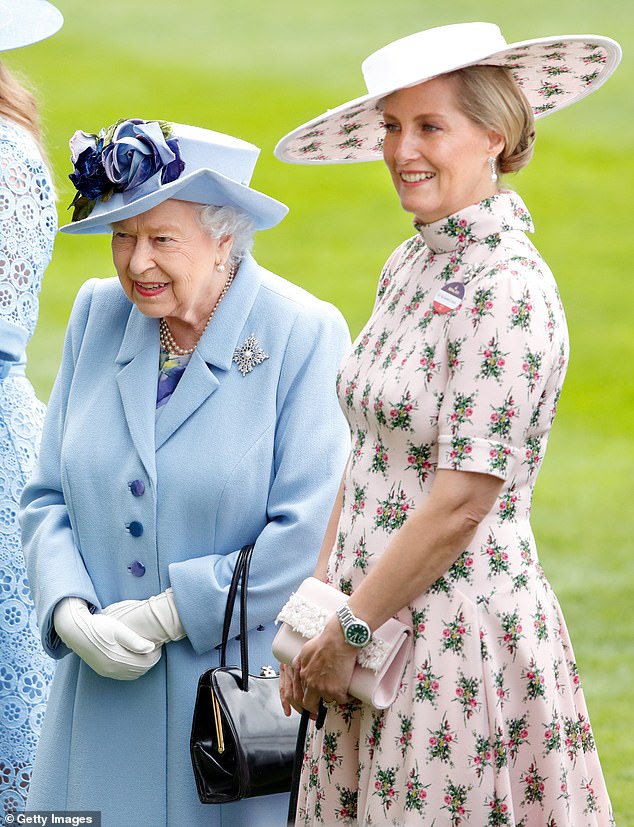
(324, 667)
(155, 619)
(106, 644)
(291, 692)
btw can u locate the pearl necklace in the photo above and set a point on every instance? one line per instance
(165, 334)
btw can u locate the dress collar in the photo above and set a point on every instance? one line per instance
(478, 222)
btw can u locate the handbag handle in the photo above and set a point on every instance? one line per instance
(300, 746)
(240, 581)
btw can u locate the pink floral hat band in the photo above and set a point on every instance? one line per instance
(552, 72)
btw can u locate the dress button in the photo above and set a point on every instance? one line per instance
(135, 528)
(137, 568)
(137, 487)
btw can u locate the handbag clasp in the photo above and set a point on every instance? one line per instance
(220, 738)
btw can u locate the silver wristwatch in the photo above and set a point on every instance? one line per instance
(356, 631)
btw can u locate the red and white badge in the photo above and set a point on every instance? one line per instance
(449, 297)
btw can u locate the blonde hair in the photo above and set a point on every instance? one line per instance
(17, 104)
(491, 98)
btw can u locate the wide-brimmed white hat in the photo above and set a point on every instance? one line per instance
(23, 22)
(135, 165)
(552, 72)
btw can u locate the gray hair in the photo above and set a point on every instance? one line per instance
(219, 222)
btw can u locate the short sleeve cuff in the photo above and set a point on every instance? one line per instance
(482, 456)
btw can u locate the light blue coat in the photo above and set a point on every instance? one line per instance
(231, 459)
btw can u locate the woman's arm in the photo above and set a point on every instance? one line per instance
(421, 551)
(311, 447)
(25, 252)
(427, 544)
(54, 564)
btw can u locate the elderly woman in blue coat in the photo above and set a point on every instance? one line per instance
(194, 412)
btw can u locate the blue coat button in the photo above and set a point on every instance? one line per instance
(137, 487)
(135, 528)
(137, 568)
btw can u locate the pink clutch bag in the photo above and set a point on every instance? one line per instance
(379, 669)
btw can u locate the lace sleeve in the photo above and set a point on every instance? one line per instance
(28, 223)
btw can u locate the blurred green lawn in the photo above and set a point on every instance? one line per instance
(257, 69)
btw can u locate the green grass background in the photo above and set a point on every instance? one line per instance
(257, 69)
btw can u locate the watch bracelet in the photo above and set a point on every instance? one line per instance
(309, 620)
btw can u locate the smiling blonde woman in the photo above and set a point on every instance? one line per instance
(450, 390)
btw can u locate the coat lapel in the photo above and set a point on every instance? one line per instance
(194, 388)
(137, 380)
(213, 357)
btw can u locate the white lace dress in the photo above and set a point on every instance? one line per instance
(28, 223)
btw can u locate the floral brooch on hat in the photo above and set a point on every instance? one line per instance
(120, 158)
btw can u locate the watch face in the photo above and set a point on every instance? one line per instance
(358, 634)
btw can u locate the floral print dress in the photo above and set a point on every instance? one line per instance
(460, 367)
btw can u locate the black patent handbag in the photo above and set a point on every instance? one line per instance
(242, 745)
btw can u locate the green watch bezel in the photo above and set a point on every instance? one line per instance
(356, 632)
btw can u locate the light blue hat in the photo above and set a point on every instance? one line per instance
(136, 165)
(23, 22)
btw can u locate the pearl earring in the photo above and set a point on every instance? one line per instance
(221, 268)
(494, 168)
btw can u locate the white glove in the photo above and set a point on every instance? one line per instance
(104, 643)
(156, 618)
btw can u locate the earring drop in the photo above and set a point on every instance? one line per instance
(494, 168)
(221, 268)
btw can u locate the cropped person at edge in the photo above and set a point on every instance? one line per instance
(28, 223)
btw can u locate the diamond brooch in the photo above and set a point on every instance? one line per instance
(248, 355)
